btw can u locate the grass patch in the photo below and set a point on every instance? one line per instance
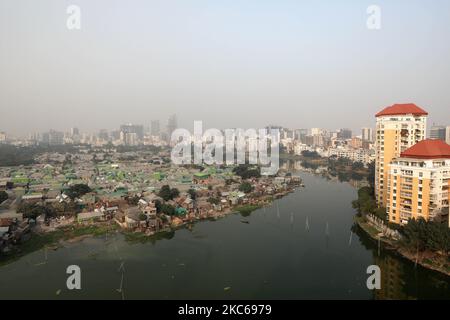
(362, 222)
(140, 237)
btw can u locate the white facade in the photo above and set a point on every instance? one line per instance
(356, 155)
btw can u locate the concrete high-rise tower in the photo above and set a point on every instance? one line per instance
(398, 128)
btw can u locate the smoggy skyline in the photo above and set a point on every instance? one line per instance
(298, 64)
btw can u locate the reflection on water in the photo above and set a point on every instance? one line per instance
(401, 278)
(301, 247)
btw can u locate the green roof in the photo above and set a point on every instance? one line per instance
(201, 175)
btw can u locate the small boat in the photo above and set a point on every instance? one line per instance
(245, 221)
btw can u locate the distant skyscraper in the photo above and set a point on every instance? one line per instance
(103, 134)
(172, 124)
(437, 132)
(133, 128)
(300, 134)
(367, 134)
(74, 131)
(155, 129)
(2, 137)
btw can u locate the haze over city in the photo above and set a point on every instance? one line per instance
(230, 64)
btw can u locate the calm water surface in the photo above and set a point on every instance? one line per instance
(275, 256)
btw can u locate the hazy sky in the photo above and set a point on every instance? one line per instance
(230, 63)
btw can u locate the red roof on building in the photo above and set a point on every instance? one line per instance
(397, 109)
(428, 149)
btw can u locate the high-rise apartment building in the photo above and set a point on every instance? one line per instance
(74, 132)
(155, 129)
(133, 128)
(344, 134)
(398, 128)
(316, 131)
(437, 132)
(55, 138)
(367, 134)
(419, 183)
(172, 124)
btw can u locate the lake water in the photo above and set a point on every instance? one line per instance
(274, 256)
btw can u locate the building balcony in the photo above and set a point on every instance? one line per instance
(406, 195)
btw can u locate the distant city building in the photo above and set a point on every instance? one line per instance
(447, 135)
(356, 155)
(356, 143)
(131, 139)
(367, 134)
(300, 134)
(172, 124)
(133, 128)
(398, 128)
(115, 135)
(55, 138)
(437, 132)
(155, 129)
(287, 134)
(318, 140)
(74, 132)
(316, 131)
(344, 134)
(103, 134)
(2, 137)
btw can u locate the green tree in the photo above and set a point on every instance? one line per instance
(64, 208)
(158, 205)
(246, 187)
(246, 171)
(310, 154)
(174, 193)
(366, 203)
(427, 235)
(3, 196)
(167, 193)
(142, 217)
(77, 191)
(168, 209)
(357, 165)
(414, 234)
(32, 211)
(214, 200)
(134, 200)
(192, 193)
